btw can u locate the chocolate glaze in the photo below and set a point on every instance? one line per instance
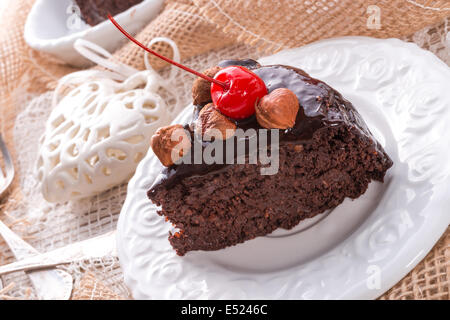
(321, 106)
(248, 63)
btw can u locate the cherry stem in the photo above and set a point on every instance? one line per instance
(201, 75)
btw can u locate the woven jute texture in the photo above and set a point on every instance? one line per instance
(180, 21)
(205, 31)
(90, 288)
(276, 25)
(430, 279)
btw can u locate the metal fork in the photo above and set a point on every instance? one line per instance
(5, 179)
(49, 284)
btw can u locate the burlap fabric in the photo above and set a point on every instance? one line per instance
(90, 288)
(270, 24)
(206, 31)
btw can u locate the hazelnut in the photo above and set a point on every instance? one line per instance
(278, 109)
(201, 90)
(211, 123)
(170, 144)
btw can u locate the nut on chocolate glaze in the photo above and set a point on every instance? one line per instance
(277, 110)
(212, 124)
(170, 143)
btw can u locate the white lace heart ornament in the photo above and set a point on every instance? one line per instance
(98, 132)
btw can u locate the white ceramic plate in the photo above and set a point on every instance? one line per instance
(53, 26)
(364, 246)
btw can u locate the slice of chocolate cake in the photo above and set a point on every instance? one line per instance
(326, 153)
(95, 11)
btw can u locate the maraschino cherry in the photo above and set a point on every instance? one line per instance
(235, 90)
(245, 90)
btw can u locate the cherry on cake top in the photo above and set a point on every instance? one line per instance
(235, 90)
(244, 90)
